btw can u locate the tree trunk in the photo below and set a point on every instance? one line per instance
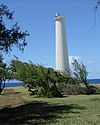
(1, 89)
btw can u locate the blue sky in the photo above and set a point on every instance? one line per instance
(37, 17)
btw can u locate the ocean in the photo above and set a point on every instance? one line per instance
(94, 81)
(14, 83)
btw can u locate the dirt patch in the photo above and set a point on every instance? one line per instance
(11, 99)
(8, 91)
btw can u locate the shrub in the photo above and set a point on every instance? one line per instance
(77, 89)
(73, 81)
(82, 90)
(61, 86)
(50, 93)
(91, 90)
(55, 92)
(71, 89)
(41, 92)
(98, 90)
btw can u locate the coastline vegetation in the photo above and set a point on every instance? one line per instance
(46, 82)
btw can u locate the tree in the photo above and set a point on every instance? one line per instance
(37, 77)
(80, 72)
(13, 36)
(4, 73)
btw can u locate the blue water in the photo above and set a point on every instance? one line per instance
(15, 83)
(94, 81)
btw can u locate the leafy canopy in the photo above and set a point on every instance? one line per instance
(13, 36)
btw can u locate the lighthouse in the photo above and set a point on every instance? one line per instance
(62, 61)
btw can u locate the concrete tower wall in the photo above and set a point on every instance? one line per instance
(62, 62)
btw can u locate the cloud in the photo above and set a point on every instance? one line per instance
(73, 57)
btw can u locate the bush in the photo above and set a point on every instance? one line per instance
(82, 90)
(98, 90)
(50, 93)
(77, 89)
(41, 92)
(55, 92)
(61, 86)
(71, 89)
(91, 90)
(73, 81)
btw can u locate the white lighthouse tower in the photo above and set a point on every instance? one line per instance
(62, 61)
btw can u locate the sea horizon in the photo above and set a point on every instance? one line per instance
(15, 83)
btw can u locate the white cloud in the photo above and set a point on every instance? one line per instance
(73, 57)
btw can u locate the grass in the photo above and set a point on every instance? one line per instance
(70, 110)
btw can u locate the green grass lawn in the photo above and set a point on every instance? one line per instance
(73, 110)
(70, 110)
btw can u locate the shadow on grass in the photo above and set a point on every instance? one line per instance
(35, 113)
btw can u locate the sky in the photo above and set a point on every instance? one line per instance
(37, 17)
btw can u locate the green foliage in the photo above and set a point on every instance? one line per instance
(91, 90)
(83, 90)
(36, 77)
(97, 90)
(80, 72)
(13, 36)
(49, 83)
(43, 93)
(73, 81)
(4, 73)
(68, 81)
